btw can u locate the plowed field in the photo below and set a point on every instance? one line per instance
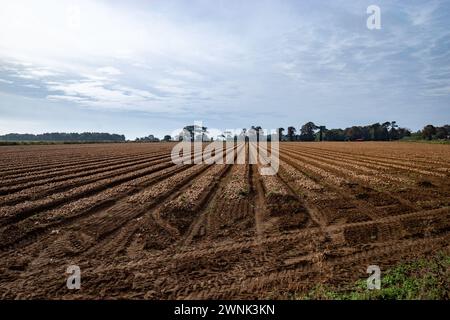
(141, 227)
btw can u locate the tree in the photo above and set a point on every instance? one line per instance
(402, 132)
(447, 127)
(65, 137)
(441, 133)
(291, 133)
(428, 131)
(393, 132)
(322, 130)
(334, 135)
(258, 130)
(280, 133)
(385, 131)
(149, 138)
(193, 129)
(167, 138)
(307, 131)
(375, 131)
(354, 133)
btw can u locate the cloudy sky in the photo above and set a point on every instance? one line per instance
(141, 67)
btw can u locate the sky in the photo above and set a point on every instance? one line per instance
(152, 67)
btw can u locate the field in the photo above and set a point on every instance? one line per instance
(141, 227)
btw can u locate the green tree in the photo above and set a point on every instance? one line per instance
(322, 130)
(353, 133)
(393, 132)
(441, 133)
(291, 133)
(193, 129)
(280, 133)
(334, 135)
(428, 131)
(258, 131)
(307, 131)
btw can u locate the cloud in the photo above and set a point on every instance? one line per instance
(97, 93)
(421, 14)
(41, 73)
(186, 74)
(33, 86)
(109, 71)
(6, 81)
(66, 98)
(247, 61)
(31, 72)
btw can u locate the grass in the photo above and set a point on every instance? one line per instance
(438, 141)
(424, 279)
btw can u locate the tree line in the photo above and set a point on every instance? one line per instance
(430, 132)
(375, 132)
(152, 138)
(386, 131)
(64, 137)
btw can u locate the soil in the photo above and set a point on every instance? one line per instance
(141, 227)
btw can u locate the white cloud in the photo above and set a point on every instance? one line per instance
(33, 73)
(65, 98)
(246, 58)
(42, 73)
(33, 86)
(6, 81)
(186, 74)
(421, 14)
(109, 71)
(101, 94)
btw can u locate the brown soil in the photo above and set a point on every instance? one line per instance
(141, 227)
